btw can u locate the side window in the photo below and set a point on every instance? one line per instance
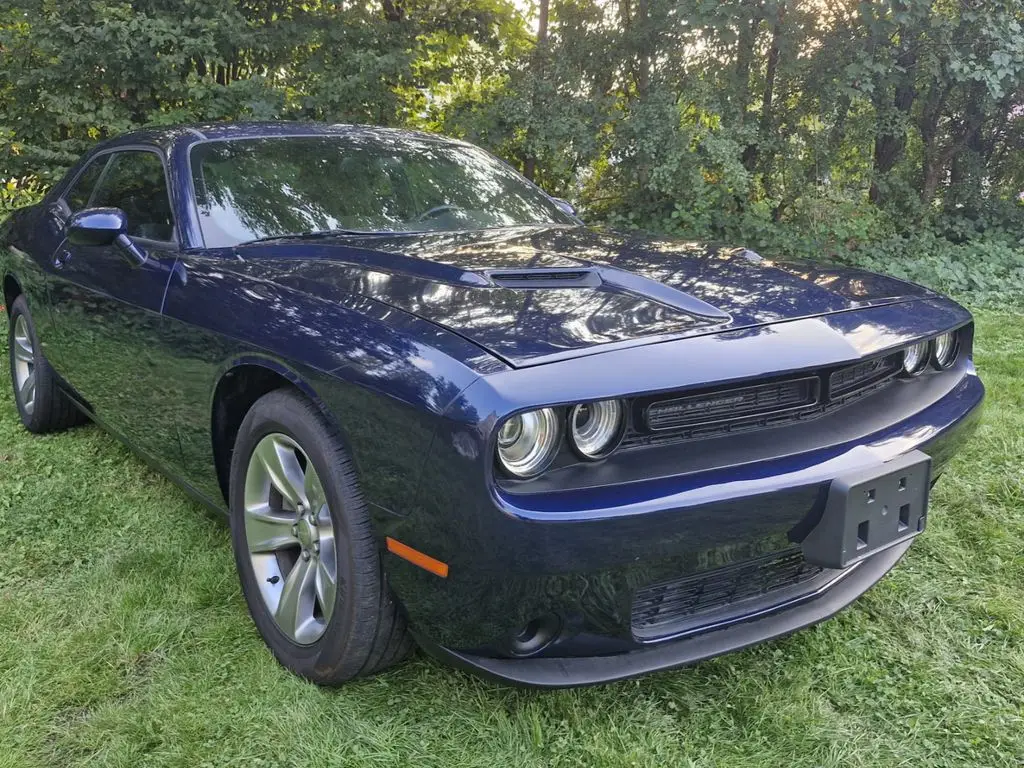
(77, 197)
(135, 184)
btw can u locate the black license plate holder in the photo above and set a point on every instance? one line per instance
(870, 510)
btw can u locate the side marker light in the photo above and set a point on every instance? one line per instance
(414, 556)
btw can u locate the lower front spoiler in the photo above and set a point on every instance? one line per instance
(571, 672)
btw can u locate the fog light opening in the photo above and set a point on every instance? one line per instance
(536, 635)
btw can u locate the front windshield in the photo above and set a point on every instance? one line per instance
(248, 189)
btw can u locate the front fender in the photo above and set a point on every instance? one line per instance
(378, 374)
(21, 268)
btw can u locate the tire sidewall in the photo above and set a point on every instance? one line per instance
(347, 629)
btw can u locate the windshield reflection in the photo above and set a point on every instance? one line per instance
(252, 189)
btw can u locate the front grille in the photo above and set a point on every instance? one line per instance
(854, 377)
(723, 405)
(757, 406)
(671, 607)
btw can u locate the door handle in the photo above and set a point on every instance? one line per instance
(61, 257)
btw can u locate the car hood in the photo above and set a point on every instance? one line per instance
(530, 295)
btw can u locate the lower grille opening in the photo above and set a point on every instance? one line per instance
(681, 605)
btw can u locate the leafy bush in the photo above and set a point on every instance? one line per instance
(16, 193)
(986, 270)
(883, 133)
(980, 262)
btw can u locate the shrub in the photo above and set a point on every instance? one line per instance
(17, 193)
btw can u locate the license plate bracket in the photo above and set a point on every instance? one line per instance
(870, 510)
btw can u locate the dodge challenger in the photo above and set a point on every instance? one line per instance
(438, 409)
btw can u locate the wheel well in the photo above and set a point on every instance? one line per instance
(11, 291)
(236, 393)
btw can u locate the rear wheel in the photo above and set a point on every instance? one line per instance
(42, 405)
(308, 562)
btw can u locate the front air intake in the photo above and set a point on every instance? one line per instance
(724, 594)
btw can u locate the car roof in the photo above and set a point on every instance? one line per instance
(172, 136)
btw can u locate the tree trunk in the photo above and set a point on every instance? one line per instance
(530, 163)
(392, 10)
(836, 137)
(891, 135)
(744, 57)
(643, 51)
(934, 158)
(752, 153)
(967, 169)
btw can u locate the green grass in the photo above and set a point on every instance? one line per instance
(124, 641)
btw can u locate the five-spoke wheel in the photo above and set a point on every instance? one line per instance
(290, 537)
(42, 404)
(24, 365)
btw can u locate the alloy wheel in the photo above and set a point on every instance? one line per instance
(290, 536)
(24, 366)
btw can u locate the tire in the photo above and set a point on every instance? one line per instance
(43, 406)
(361, 630)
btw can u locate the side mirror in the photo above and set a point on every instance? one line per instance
(564, 205)
(104, 226)
(96, 226)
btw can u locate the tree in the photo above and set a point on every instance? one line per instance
(718, 118)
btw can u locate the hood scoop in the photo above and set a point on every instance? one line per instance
(545, 278)
(610, 278)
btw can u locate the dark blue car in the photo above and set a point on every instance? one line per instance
(435, 405)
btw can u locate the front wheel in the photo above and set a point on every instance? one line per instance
(308, 562)
(42, 404)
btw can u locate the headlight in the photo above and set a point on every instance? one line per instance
(596, 428)
(915, 358)
(946, 350)
(528, 442)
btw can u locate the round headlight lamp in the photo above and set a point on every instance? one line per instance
(946, 350)
(915, 358)
(528, 442)
(595, 429)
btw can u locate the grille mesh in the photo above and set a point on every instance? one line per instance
(760, 399)
(758, 406)
(660, 609)
(853, 377)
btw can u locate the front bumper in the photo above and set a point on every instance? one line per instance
(514, 559)
(568, 672)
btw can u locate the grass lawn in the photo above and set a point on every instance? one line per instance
(124, 641)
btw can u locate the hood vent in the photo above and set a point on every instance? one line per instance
(546, 278)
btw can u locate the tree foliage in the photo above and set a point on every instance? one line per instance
(803, 125)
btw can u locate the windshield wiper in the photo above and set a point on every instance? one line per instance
(321, 233)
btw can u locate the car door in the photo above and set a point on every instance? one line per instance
(106, 308)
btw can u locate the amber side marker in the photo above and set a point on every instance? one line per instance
(414, 556)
